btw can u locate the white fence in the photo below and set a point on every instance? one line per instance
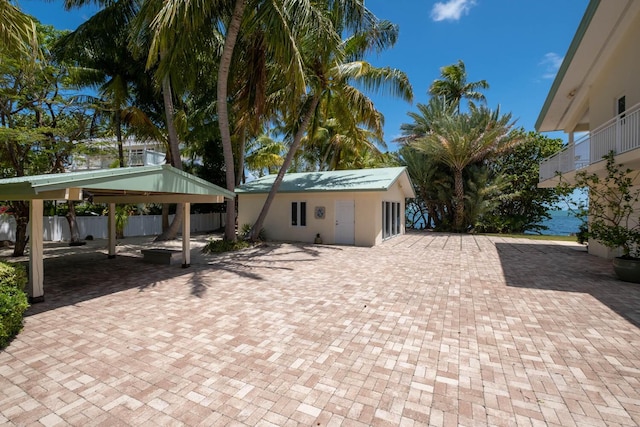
(56, 228)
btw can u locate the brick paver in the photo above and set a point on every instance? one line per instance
(425, 329)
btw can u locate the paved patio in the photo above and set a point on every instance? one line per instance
(426, 329)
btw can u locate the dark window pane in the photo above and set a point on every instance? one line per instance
(294, 213)
(303, 214)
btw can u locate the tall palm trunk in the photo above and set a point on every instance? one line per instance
(174, 143)
(223, 112)
(255, 230)
(242, 142)
(118, 121)
(458, 182)
(174, 148)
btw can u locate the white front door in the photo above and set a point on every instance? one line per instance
(345, 222)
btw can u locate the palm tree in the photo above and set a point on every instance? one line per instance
(453, 86)
(335, 69)
(459, 140)
(278, 20)
(422, 122)
(99, 49)
(130, 23)
(333, 147)
(433, 184)
(17, 30)
(265, 154)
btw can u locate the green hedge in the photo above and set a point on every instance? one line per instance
(13, 300)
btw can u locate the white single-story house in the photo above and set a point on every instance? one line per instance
(347, 207)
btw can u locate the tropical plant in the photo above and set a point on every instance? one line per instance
(335, 70)
(459, 140)
(420, 124)
(611, 209)
(220, 246)
(482, 193)
(122, 214)
(264, 154)
(521, 206)
(18, 31)
(39, 120)
(98, 48)
(453, 85)
(246, 229)
(221, 23)
(433, 186)
(113, 47)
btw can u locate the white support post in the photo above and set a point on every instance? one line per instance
(186, 235)
(111, 230)
(36, 259)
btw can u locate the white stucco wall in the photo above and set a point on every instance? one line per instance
(620, 76)
(600, 250)
(367, 210)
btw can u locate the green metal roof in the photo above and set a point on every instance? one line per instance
(118, 185)
(380, 179)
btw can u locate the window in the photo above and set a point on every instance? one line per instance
(391, 221)
(621, 106)
(299, 214)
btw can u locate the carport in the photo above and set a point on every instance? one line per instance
(145, 184)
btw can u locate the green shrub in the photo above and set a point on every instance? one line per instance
(219, 246)
(246, 229)
(13, 300)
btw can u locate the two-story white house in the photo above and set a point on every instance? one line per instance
(102, 153)
(595, 97)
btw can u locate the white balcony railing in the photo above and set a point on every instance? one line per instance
(620, 134)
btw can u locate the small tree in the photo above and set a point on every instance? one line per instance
(611, 207)
(521, 205)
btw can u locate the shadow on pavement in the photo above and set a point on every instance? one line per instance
(73, 275)
(567, 269)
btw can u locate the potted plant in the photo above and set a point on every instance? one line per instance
(611, 213)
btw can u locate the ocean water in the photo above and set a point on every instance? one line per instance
(561, 223)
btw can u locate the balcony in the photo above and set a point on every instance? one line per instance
(620, 134)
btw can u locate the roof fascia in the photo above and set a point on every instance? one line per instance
(160, 198)
(568, 58)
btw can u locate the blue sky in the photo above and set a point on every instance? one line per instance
(516, 45)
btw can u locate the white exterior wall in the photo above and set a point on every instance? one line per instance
(277, 226)
(56, 228)
(620, 76)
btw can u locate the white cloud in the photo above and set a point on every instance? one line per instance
(552, 62)
(451, 10)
